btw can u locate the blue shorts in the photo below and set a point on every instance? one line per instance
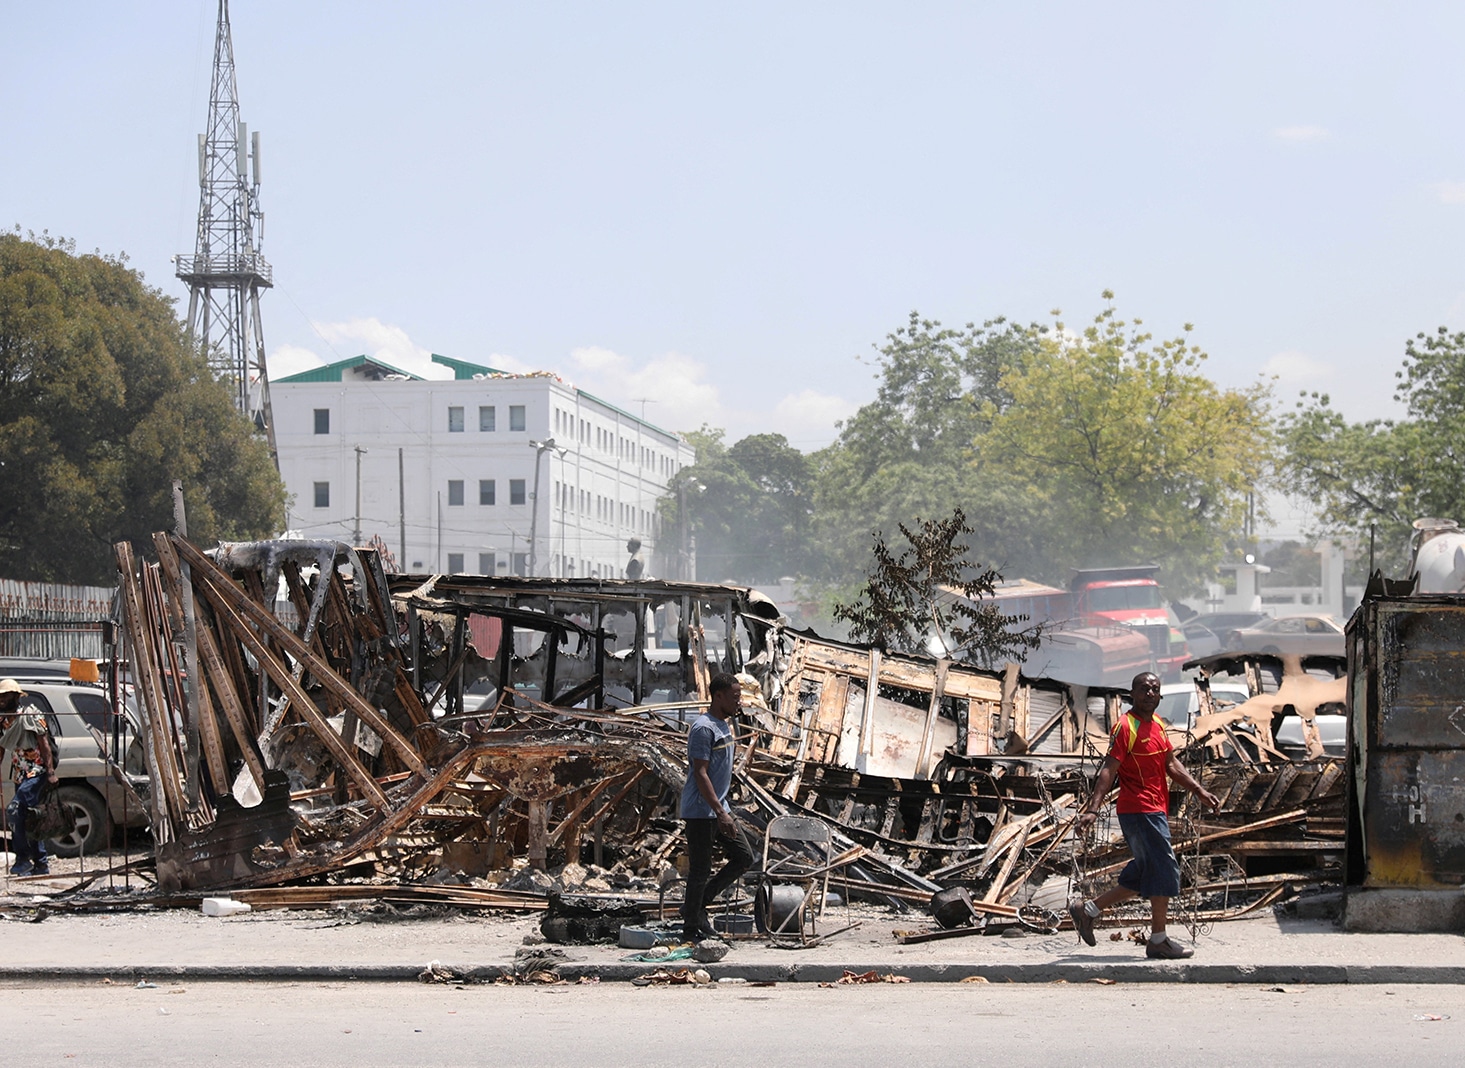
(1154, 871)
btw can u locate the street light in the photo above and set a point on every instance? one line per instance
(540, 448)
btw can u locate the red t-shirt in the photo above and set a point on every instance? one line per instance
(1143, 784)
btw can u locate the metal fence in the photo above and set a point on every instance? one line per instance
(53, 620)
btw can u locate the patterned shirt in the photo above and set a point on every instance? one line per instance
(21, 742)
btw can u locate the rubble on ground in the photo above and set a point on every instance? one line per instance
(483, 742)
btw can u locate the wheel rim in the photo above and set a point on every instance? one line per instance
(83, 829)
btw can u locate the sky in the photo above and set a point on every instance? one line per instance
(712, 213)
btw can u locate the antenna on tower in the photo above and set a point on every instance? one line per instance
(227, 270)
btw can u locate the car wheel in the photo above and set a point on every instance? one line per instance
(1271, 650)
(93, 828)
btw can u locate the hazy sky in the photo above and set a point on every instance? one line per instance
(714, 210)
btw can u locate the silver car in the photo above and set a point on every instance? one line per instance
(1304, 635)
(99, 793)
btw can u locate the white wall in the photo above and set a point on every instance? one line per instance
(611, 494)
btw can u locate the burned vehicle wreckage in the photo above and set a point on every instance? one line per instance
(377, 730)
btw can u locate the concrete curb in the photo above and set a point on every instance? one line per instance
(1315, 974)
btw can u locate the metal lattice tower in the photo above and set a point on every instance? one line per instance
(227, 270)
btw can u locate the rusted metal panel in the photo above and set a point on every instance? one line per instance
(1407, 757)
(1420, 651)
(1414, 819)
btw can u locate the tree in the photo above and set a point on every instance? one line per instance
(1125, 451)
(909, 452)
(747, 504)
(1378, 476)
(1064, 450)
(928, 598)
(102, 406)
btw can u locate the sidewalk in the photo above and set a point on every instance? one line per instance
(342, 944)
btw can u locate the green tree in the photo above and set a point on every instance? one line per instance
(102, 406)
(1064, 450)
(929, 598)
(909, 452)
(1126, 451)
(748, 506)
(1380, 475)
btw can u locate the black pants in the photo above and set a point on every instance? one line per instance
(702, 886)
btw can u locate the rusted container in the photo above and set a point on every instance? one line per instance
(1406, 756)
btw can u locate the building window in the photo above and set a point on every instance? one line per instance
(455, 420)
(455, 491)
(485, 496)
(485, 563)
(516, 491)
(455, 563)
(521, 564)
(322, 494)
(322, 420)
(516, 417)
(487, 418)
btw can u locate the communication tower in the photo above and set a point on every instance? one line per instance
(227, 270)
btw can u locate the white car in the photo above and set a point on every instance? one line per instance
(1179, 701)
(1332, 728)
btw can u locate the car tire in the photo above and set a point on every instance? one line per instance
(93, 830)
(1271, 650)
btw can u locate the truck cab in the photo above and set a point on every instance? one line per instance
(1131, 597)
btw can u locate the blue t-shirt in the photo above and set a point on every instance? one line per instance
(710, 739)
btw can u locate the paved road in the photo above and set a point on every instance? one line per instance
(362, 1024)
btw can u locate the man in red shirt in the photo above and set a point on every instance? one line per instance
(1141, 757)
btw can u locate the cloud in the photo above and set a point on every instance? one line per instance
(1301, 134)
(379, 340)
(1293, 368)
(675, 391)
(286, 360)
(807, 418)
(385, 342)
(1450, 192)
(672, 389)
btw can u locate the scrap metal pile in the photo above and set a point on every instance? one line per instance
(439, 731)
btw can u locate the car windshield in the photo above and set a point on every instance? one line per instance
(1174, 709)
(1117, 598)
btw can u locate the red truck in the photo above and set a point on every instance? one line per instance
(1130, 596)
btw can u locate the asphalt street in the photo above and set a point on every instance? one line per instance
(363, 1024)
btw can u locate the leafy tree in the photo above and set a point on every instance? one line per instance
(929, 598)
(1126, 451)
(909, 452)
(747, 504)
(1064, 449)
(102, 406)
(1380, 475)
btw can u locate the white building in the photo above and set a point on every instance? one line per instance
(448, 469)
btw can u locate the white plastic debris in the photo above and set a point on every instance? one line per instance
(223, 906)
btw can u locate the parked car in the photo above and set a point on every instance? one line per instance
(1304, 635)
(99, 793)
(1223, 623)
(1179, 701)
(1332, 730)
(1202, 640)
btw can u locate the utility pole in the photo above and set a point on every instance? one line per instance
(227, 270)
(540, 448)
(402, 507)
(356, 534)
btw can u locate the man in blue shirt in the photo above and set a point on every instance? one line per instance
(705, 809)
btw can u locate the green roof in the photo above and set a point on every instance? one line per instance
(336, 372)
(463, 370)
